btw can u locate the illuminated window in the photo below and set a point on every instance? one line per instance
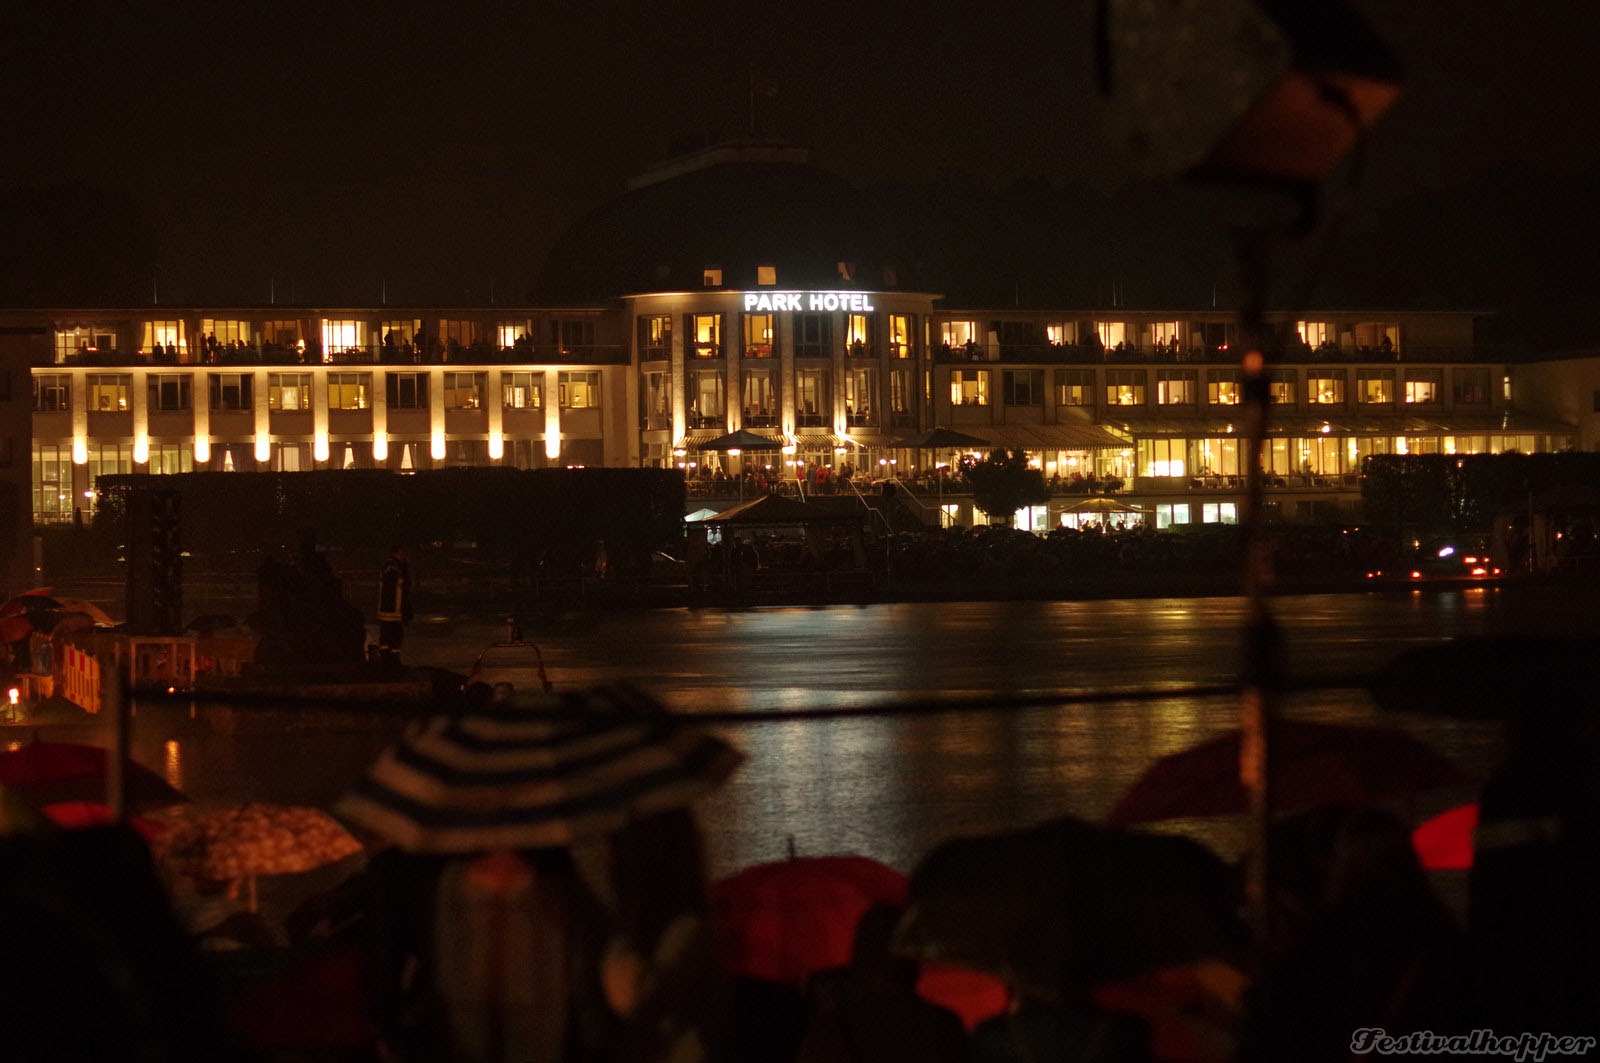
(1074, 387)
(707, 400)
(758, 336)
(580, 391)
(1111, 333)
(900, 397)
(343, 337)
(766, 274)
(291, 457)
(514, 333)
(813, 398)
(1022, 387)
(289, 391)
(226, 333)
(1061, 333)
(759, 398)
(52, 393)
(706, 331)
(654, 396)
(711, 277)
(1424, 386)
(954, 334)
(280, 333)
(163, 334)
(348, 391)
(231, 391)
(899, 336)
(1325, 387)
(1125, 387)
(1176, 387)
(655, 337)
(1471, 386)
(109, 459)
(1280, 387)
(406, 391)
(521, 391)
(1315, 334)
(860, 394)
(109, 393)
(464, 391)
(969, 387)
(812, 335)
(1162, 457)
(1165, 333)
(1374, 386)
(1222, 387)
(858, 335)
(170, 459)
(846, 270)
(400, 331)
(52, 482)
(1217, 457)
(85, 339)
(462, 332)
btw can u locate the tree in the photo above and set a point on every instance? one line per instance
(1003, 483)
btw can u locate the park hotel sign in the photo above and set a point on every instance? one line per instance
(851, 302)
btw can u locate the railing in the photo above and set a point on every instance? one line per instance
(370, 354)
(1093, 354)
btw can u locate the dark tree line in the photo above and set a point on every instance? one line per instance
(1429, 494)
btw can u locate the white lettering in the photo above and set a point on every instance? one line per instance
(830, 301)
(764, 303)
(814, 302)
(750, 301)
(790, 301)
(855, 302)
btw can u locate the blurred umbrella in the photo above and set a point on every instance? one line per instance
(13, 628)
(55, 623)
(787, 920)
(1313, 764)
(1500, 677)
(77, 605)
(1444, 843)
(76, 815)
(1058, 908)
(536, 773)
(972, 995)
(21, 603)
(251, 840)
(940, 439)
(45, 773)
(1102, 504)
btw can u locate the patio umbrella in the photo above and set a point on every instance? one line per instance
(255, 839)
(787, 920)
(940, 439)
(740, 440)
(20, 603)
(1056, 909)
(1101, 504)
(1313, 765)
(535, 773)
(44, 773)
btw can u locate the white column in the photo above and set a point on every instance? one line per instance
(436, 413)
(319, 414)
(263, 417)
(836, 332)
(784, 326)
(380, 417)
(494, 399)
(201, 396)
(679, 382)
(552, 414)
(79, 398)
(141, 417)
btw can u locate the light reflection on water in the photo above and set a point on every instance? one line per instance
(886, 787)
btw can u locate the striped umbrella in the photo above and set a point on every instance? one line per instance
(536, 773)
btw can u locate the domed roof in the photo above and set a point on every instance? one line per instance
(731, 207)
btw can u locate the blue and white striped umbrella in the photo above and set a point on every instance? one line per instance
(536, 773)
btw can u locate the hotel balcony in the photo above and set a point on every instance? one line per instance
(1088, 354)
(372, 354)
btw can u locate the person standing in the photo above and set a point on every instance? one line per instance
(394, 605)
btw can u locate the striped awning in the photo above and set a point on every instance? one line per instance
(1049, 436)
(536, 773)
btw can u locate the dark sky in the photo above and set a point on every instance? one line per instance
(199, 150)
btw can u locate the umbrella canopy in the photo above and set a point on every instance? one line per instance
(77, 605)
(1059, 908)
(21, 604)
(786, 921)
(44, 773)
(1312, 765)
(1444, 843)
(1102, 504)
(76, 815)
(256, 840)
(536, 773)
(940, 439)
(740, 440)
(13, 628)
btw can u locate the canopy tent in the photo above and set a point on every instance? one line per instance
(737, 441)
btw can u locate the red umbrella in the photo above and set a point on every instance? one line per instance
(1313, 765)
(972, 995)
(28, 601)
(786, 921)
(13, 628)
(1444, 843)
(45, 773)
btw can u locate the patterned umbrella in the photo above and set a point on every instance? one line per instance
(255, 840)
(536, 773)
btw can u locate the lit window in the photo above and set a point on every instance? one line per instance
(52, 393)
(1074, 387)
(1061, 333)
(899, 336)
(711, 278)
(766, 274)
(860, 387)
(163, 336)
(1280, 387)
(514, 333)
(958, 333)
(1222, 387)
(109, 393)
(580, 391)
(343, 337)
(1125, 387)
(348, 391)
(707, 332)
(655, 336)
(969, 387)
(521, 391)
(1325, 389)
(1423, 386)
(225, 333)
(1112, 333)
(1165, 333)
(289, 391)
(758, 335)
(463, 391)
(707, 399)
(1315, 334)
(1375, 387)
(858, 335)
(1176, 387)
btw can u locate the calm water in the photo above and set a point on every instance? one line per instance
(893, 787)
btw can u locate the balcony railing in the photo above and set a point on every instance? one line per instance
(1090, 354)
(371, 354)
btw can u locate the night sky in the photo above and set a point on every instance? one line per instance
(193, 152)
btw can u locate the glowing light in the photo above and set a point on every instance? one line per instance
(436, 445)
(202, 449)
(263, 446)
(497, 447)
(1446, 551)
(1252, 360)
(552, 446)
(734, 452)
(790, 448)
(319, 446)
(1326, 428)
(141, 449)
(80, 451)
(840, 450)
(174, 765)
(380, 448)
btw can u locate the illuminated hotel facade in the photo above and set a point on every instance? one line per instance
(820, 350)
